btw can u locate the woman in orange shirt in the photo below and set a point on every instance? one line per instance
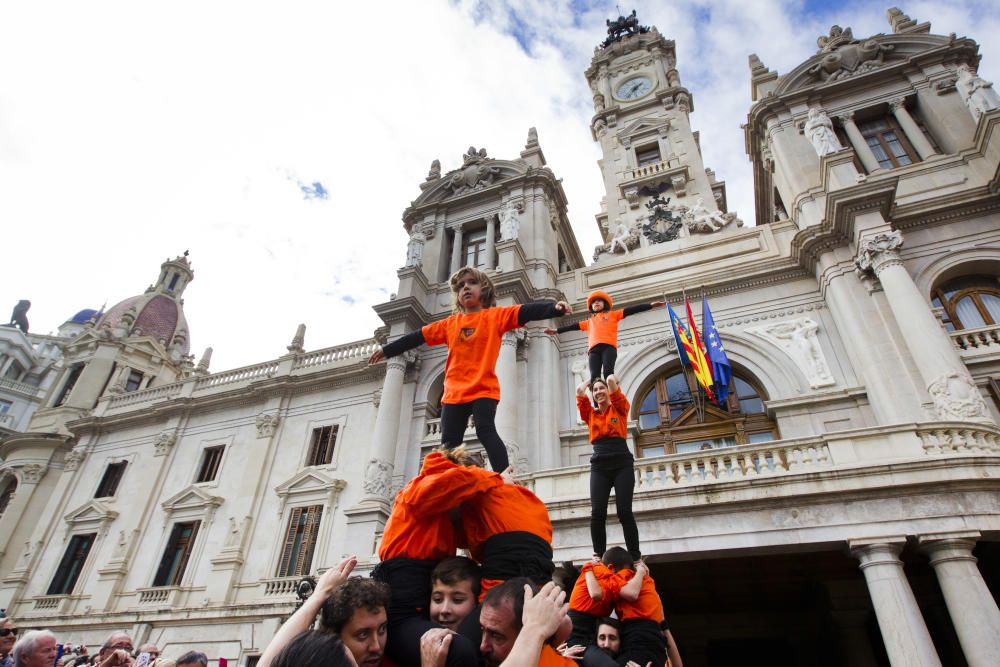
(473, 335)
(611, 465)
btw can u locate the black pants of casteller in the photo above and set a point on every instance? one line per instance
(602, 355)
(454, 419)
(612, 466)
(408, 612)
(642, 642)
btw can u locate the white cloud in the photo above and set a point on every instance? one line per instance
(130, 131)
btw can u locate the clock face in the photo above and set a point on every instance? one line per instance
(633, 88)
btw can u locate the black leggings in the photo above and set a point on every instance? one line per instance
(604, 355)
(602, 479)
(454, 419)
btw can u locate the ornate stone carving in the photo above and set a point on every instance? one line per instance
(600, 127)
(945, 85)
(121, 546)
(899, 21)
(598, 102)
(32, 473)
(510, 223)
(798, 338)
(266, 423)
(818, 128)
(234, 535)
(475, 173)
(663, 225)
(846, 56)
(976, 92)
(678, 182)
(622, 28)
(163, 442)
(415, 247)
(434, 172)
(377, 398)
(378, 478)
(878, 252)
(29, 551)
(956, 397)
(74, 459)
(700, 219)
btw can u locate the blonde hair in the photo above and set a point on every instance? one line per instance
(487, 293)
(461, 456)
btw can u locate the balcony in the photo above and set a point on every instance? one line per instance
(977, 345)
(161, 596)
(51, 604)
(281, 587)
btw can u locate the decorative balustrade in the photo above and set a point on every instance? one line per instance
(432, 429)
(283, 586)
(333, 355)
(7, 419)
(958, 439)
(648, 170)
(155, 595)
(257, 372)
(19, 387)
(49, 602)
(145, 396)
(978, 341)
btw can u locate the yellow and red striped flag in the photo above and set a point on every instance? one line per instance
(703, 369)
(690, 353)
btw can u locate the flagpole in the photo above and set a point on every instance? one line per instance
(699, 395)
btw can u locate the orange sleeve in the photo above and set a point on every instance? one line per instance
(583, 405)
(619, 401)
(443, 491)
(584, 325)
(506, 317)
(611, 583)
(436, 333)
(618, 315)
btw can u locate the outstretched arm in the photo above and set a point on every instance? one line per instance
(398, 346)
(304, 617)
(569, 327)
(542, 310)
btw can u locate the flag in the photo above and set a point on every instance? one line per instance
(722, 371)
(687, 351)
(700, 366)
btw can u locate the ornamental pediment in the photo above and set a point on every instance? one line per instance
(193, 497)
(478, 172)
(644, 126)
(308, 480)
(94, 512)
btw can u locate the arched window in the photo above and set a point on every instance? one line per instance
(671, 420)
(969, 303)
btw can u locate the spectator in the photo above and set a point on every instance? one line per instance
(193, 659)
(609, 636)
(505, 611)
(35, 649)
(454, 591)
(356, 612)
(116, 651)
(152, 650)
(313, 648)
(8, 635)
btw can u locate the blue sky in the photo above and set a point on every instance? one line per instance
(130, 132)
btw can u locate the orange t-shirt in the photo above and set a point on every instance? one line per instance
(473, 341)
(646, 607)
(602, 327)
(552, 658)
(504, 509)
(419, 526)
(612, 423)
(610, 582)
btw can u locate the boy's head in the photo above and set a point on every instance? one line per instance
(598, 301)
(455, 586)
(617, 558)
(486, 295)
(462, 456)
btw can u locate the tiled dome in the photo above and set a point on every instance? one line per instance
(84, 316)
(157, 315)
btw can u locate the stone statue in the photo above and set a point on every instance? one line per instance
(976, 92)
(510, 223)
(705, 220)
(956, 398)
(799, 339)
(415, 247)
(620, 238)
(19, 318)
(435, 171)
(819, 129)
(377, 478)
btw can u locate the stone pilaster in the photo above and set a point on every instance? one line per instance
(973, 610)
(911, 129)
(456, 250)
(858, 142)
(491, 234)
(510, 393)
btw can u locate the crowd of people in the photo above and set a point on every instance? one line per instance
(424, 606)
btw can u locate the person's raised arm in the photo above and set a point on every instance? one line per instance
(543, 613)
(630, 591)
(398, 346)
(305, 615)
(583, 404)
(593, 587)
(542, 310)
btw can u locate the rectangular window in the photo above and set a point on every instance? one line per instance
(323, 441)
(647, 155)
(210, 460)
(71, 564)
(887, 142)
(177, 553)
(133, 382)
(475, 248)
(109, 483)
(5, 406)
(300, 541)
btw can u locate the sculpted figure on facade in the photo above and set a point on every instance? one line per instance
(434, 172)
(74, 459)
(378, 478)
(415, 247)
(510, 222)
(32, 473)
(845, 56)
(799, 339)
(620, 238)
(819, 129)
(977, 93)
(956, 398)
(19, 316)
(163, 442)
(704, 220)
(266, 423)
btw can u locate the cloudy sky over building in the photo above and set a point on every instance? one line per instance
(280, 142)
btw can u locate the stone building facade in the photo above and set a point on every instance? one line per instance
(830, 512)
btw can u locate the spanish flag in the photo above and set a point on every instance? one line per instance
(691, 352)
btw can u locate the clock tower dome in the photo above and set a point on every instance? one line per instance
(649, 152)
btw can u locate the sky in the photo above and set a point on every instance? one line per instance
(280, 142)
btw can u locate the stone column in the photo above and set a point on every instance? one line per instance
(510, 393)
(378, 471)
(546, 395)
(861, 146)
(911, 129)
(30, 475)
(955, 395)
(907, 641)
(491, 234)
(456, 250)
(973, 610)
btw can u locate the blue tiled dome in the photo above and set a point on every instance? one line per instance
(84, 316)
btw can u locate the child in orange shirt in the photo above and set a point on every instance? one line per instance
(642, 640)
(473, 335)
(602, 331)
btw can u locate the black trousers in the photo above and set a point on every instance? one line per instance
(454, 419)
(600, 355)
(642, 642)
(612, 470)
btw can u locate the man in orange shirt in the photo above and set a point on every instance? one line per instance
(642, 640)
(502, 624)
(419, 534)
(473, 335)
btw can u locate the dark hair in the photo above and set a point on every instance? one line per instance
(613, 622)
(355, 593)
(596, 380)
(313, 648)
(192, 657)
(513, 590)
(452, 570)
(618, 558)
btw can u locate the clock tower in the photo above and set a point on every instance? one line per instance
(649, 152)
